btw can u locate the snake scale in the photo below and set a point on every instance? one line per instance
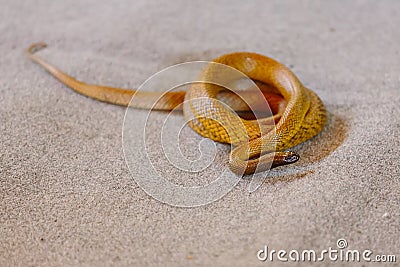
(298, 113)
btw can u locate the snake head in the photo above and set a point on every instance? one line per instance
(285, 158)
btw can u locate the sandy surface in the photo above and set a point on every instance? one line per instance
(67, 197)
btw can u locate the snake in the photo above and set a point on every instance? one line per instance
(298, 114)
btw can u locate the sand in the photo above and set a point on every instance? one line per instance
(68, 197)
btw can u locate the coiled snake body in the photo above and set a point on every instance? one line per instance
(299, 114)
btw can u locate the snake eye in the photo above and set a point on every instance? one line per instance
(291, 157)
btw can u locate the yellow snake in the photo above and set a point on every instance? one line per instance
(298, 112)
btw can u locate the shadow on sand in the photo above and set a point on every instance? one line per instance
(313, 150)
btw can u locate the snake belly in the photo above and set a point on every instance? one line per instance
(299, 113)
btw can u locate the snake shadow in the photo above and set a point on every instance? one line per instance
(313, 151)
